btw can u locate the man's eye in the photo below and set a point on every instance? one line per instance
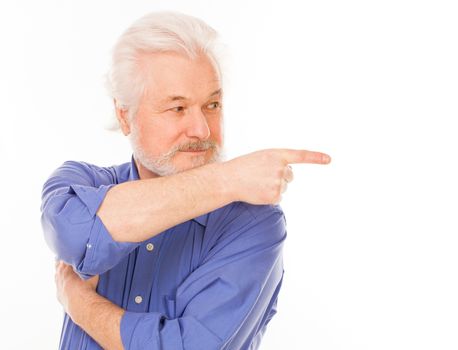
(214, 105)
(177, 109)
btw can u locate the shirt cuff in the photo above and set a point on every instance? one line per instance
(152, 330)
(139, 329)
(102, 252)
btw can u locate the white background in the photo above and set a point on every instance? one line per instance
(371, 256)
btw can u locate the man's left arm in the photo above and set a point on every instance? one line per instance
(222, 304)
(96, 315)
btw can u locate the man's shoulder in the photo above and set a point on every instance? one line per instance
(99, 175)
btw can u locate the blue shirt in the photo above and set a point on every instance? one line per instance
(209, 283)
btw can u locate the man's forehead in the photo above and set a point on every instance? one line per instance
(183, 97)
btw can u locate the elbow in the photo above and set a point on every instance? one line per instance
(66, 239)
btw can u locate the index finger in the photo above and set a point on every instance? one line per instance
(304, 156)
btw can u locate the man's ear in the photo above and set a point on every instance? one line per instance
(122, 116)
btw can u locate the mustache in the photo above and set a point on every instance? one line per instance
(198, 146)
(190, 146)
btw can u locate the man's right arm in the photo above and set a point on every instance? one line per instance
(135, 211)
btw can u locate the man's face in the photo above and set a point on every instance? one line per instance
(179, 111)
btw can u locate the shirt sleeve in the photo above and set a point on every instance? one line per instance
(228, 300)
(70, 200)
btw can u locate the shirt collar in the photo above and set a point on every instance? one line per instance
(133, 175)
(133, 171)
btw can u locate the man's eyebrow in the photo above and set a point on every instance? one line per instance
(215, 93)
(179, 98)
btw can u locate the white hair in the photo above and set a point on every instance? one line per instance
(155, 32)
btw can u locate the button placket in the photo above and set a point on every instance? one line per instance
(145, 264)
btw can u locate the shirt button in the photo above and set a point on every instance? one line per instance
(150, 247)
(138, 299)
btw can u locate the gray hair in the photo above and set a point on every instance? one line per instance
(155, 32)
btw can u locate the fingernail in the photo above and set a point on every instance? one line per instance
(326, 158)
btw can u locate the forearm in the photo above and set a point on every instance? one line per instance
(138, 210)
(100, 318)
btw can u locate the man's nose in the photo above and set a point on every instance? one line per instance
(197, 124)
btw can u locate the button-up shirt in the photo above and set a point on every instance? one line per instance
(208, 283)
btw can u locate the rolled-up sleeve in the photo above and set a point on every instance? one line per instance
(227, 301)
(70, 200)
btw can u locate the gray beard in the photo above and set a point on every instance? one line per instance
(162, 165)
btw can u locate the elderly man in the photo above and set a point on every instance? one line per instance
(175, 249)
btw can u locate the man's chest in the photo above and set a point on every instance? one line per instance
(147, 279)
